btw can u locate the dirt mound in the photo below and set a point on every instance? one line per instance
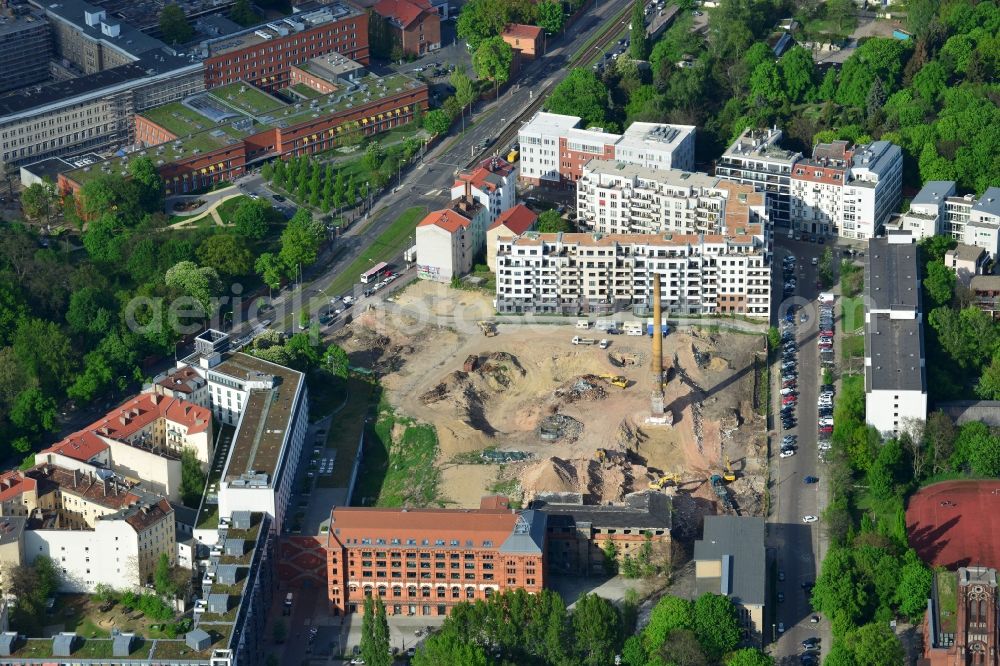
(551, 475)
(584, 387)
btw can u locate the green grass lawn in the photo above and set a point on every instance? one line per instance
(853, 314)
(391, 243)
(947, 600)
(398, 473)
(853, 346)
(229, 206)
(345, 431)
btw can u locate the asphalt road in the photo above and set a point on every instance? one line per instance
(799, 547)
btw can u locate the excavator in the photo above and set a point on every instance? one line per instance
(730, 475)
(616, 380)
(664, 481)
(488, 328)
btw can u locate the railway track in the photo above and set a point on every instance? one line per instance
(611, 30)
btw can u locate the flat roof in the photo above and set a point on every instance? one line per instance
(246, 98)
(655, 134)
(989, 203)
(645, 510)
(762, 143)
(894, 351)
(965, 252)
(335, 11)
(264, 424)
(50, 168)
(30, 21)
(550, 123)
(892, 275)
(674, 177)
(933, 193)
(130, 39)
(742, 540)
(55, 91)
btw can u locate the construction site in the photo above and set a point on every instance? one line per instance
(522, 408)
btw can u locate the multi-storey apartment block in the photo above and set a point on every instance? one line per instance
(895, 372)
(757, 159)
(936, 209)
(425, 561)
(555, 148)
(618, 198)
(847, 192)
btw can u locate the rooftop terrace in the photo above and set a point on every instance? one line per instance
(246, 98)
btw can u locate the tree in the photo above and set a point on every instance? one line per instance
(380, 38)
(716, 623)
(145, 181)
(683, 649)
(670, 613)
(36, 200)
(227, 254)
(596, 630)
(580, 94)
(446, 648)
(336, 361)
(465, 92)
(174, 25)
(437, 122)
(839, 593)
(192, 478)
(876, 645)
(374, 156)
(749, 657)
(551, 222)
(270, 269)
(914, 586)
(103, 240)
(90, 312)
(550, 16)
(639, 46)
(244, 14)
(988, 387)
(163, 579)
(375, 634)
(481, 20)
(250, 219)
(492, 60)
(33, 412)
(967, 336)
(842, 12)
(610, 551)
(45, 353)
(939, 283)
(300, 241)
(198, 282)
(798, 74)
(940, 434)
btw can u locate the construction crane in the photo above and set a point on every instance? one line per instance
(730, 475)
(616, 380)
(664, 481)
(488, 328)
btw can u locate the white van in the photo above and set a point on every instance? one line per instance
(582, 323)
(634, 328)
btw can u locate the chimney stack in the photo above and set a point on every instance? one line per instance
(657, 395)
(468, 188)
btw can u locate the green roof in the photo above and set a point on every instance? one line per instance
(178, 119)
(306, 91)
(391, 86)
(244, 97)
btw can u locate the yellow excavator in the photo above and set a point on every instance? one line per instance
(729, 475)
(616, 380)
(489, 328)
(664, 481)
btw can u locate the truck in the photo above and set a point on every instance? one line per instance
(577, 340)
(664, 329)
(633, 328)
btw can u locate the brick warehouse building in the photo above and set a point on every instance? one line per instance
(425, 561)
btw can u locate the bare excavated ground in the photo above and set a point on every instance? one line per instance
(532, 391)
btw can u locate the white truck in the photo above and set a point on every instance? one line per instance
(577, 340)
(582, 324)
(634, 328)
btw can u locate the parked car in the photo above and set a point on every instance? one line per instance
(786, 454)
(810, 479)
(809, 519)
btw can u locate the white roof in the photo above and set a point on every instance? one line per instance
(550, 123)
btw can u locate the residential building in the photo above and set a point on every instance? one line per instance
(25, 49)
(965, 629)
(185, 384)
(657, 146)
(577, 273)
(215, 136)
(731, 560)
(95, 526)
(555, 148)
(983, 228)
(986, 294)
(512, 222)
(140, 440)
(617, 198)
(493, 185)
(11, 546)
(423, 562)
(576, 533)
(528, 40)
(756, 158)
(264, 55)
(895, 372)
(264, 412)
(966, 261)
(929, 214)
(846, 192)
(415, 24)
(937, 209)
(449, 239)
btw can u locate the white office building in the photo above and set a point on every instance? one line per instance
(657, 146)
(895, 372)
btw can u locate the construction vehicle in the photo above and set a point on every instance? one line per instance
(488, 328)
(664, 481)
(722, 492)
(730, 475)
(616, 380)
(577, 340)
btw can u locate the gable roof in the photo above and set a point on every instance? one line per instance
(517, 220)
(448, 220)
(472, 528)
(522, 31)
(403, 12)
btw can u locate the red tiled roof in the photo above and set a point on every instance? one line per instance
(448, 220)
(497, 165)
(478, 179)
(185, 380)
(144, 517)
(521, 31)
(81, 445)
(13, 483)
(518, 219)
(404, 11)
(349, 523)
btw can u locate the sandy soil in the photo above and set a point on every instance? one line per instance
(528, 374)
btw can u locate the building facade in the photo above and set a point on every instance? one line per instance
(937, 209)
(449, 239)
(966, 261)
(422, 562)
(25, 50)
(757, 159)
(512, 222)
(971, 633)
(528, 40)
(493, 185)
(895, 372)
(415, 24)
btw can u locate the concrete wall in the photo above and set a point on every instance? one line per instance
(161, 475)
(86, 558)
(882, 408)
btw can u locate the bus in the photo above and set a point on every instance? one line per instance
(373, 272)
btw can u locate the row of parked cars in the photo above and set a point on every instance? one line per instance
(824, 403)
(789, 360)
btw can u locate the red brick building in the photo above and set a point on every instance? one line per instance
(969, 633)
(264, 55)
(415, 24)
(424, 561)
(528, 40)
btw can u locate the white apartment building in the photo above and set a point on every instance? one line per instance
(895, 372)
(577, 273)
(617, 198)
(928, 214)
(493, 185)
(448, 240)
(555, 148)
(657, 146)
(756, 158)
(983, 228)
(846, 192)
(937, 209)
